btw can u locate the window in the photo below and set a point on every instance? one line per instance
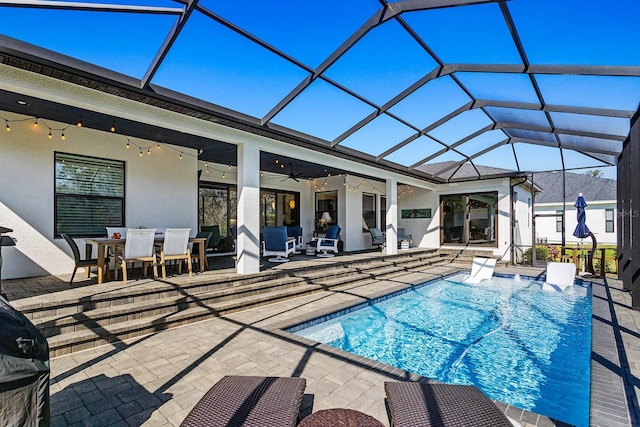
(89, 195)
(368, 211)
(608, 220)
(326, 210)
(218, 206)
(559, 224)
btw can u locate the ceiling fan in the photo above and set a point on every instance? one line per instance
(293, 176)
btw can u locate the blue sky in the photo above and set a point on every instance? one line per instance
(214, 63)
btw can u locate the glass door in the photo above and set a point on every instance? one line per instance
(469, 219)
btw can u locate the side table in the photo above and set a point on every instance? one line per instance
(339, 417)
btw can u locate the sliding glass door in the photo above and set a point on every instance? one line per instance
(469, 219)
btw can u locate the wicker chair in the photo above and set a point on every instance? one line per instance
(414, 404)
(249, 401)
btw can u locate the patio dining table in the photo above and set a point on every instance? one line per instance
(106, 242)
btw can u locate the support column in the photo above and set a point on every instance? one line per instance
(392, 217)
(248, 244)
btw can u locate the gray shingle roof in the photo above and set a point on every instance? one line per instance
(592, 188)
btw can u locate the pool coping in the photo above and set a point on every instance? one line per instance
(607, 404)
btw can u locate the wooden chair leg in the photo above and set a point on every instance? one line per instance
(124, 272)
(189, 267)
(164, 269)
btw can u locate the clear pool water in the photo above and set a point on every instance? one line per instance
(516, 342)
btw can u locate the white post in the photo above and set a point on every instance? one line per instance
(392, 216)
(248, 244)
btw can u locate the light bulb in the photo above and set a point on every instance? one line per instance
(50, 136)
(79, 124)
(62, 136)
(8, 128)
(128, 146)
(35, 124)
(158, 146)
(180, 157)
(113, 126)
(148, 152)
(140, 153)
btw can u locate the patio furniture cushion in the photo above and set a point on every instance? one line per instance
(414, 404)
(249, 401)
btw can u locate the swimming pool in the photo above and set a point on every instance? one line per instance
(519, 344)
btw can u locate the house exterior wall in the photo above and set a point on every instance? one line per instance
(595, 211)
(426, 232)
(523, 221)
(160, 190)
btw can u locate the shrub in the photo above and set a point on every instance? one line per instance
(542, 253)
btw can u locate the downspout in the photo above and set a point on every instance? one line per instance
(513, 221)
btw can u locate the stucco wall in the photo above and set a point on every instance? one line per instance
(161, 190)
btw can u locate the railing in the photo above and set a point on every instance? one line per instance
(602, 262)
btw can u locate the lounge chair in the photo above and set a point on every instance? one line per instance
(276, 242)
(414, 404)
(559, 276)
(249, 401)
(481, 269)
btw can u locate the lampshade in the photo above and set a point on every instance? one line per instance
(325, 217)
(292, 204)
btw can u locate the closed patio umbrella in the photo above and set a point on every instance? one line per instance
(582, 230)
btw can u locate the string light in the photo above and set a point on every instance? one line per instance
(140, 153)
(62, 135)
(79, 124)
(180, 157)
(8, 127)
(158, 147)
(113, 126)
(50, 136)
(148, 152)
(35, 123)
(128, 146)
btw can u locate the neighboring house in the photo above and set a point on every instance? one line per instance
(601, 211)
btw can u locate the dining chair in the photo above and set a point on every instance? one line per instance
(175, 247)
(84, 263)
(137, 247)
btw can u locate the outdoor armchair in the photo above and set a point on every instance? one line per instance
(175, 247)
(84, 263)
(377, 237)
(276, 242)
(327, 243)
(295, 231)
(138, 247)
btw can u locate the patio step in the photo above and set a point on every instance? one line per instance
(113, 314)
